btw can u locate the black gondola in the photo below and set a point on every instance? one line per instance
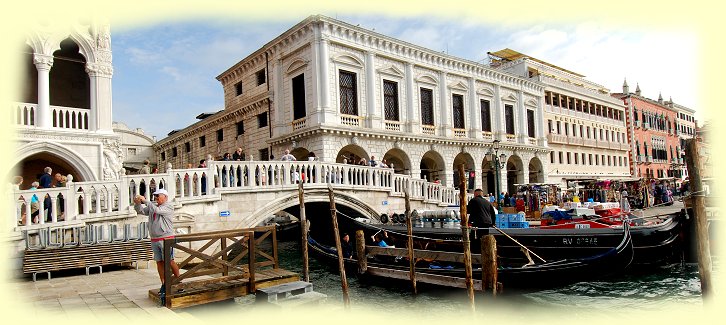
(547, 274)
(654, 244)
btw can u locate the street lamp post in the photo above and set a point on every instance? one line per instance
(496, 162)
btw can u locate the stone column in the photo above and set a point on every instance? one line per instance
(324, 73)
(315, 77)
(540, 125)
(444, 109)
(521, 126)
(497, 115)
(101, 113)
(373, 113)
(474, 112)
(412, 119)
(43, 116)
(280, 120)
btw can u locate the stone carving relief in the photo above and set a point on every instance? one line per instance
(113, 157)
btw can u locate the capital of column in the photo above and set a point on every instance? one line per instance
(99, 70)
(42, 61)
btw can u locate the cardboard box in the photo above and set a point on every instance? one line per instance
(509, 210)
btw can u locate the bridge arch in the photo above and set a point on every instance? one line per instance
(311, 196)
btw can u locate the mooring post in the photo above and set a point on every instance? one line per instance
(341, 264)
(693, 161)
(489, 264)
(465, 236)
(304, 230)
(360, 246)
(409, 243)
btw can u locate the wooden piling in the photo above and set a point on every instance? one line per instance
(304, 230)
(409, 243)
(693, 162)
(336, 234)
(360, 247)
(489, 264)
(465, 236)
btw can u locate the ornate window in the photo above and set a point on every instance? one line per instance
(348, 93)
(486, 117)
(457, 102)
(530, 123)
(427, 106)
(509, 119)
(390, 100)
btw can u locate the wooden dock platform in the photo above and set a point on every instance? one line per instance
(202, 292)
(225, 265)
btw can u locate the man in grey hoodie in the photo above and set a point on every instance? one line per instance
(160, 227)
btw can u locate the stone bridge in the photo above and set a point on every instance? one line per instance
(223, 195)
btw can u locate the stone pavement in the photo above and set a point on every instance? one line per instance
(121, 294)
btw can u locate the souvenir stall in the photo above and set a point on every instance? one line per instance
(536, 196)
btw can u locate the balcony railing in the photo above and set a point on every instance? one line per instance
(299, 123)
(428, 129)
(556, 138)
(589, 143)
(646, 126)
(575, 140)
(637, 124)
(393, 126)
(460, 133)
(486, 135)
(511, 138)
(648, 159)
(532, 141)
(350, 120)
(26, 114)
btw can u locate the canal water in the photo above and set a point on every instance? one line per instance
(669, 289)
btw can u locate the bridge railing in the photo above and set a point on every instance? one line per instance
(100, 200)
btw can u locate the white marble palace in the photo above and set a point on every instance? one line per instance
(344, 93)
(63, 118)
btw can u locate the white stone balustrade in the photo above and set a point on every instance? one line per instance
(107, 200)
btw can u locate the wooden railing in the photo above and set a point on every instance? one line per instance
(232, 256)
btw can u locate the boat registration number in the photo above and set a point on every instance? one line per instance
(581, 241)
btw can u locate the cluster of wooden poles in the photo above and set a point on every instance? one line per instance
(488, 246)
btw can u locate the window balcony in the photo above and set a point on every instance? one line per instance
(637, 124)
(510, 138)
(350, 120)
(556, 138)
(299, 124)
(486, 135)
(460, 133)
(648, 159)
(428, 129)
(393, 126)
(646, 126)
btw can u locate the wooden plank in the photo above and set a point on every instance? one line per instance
(423, 254)
(435, 279)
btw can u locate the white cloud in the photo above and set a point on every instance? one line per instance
(173, 72)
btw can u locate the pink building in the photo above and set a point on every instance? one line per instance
(653, 133)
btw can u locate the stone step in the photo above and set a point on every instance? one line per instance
(282, 291)
(307, 298)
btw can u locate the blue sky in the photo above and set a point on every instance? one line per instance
(164, 73)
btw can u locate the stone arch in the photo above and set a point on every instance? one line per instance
(536, 171)
(433, 167)
(29, 86)
(351, 150)
(515, 173)
(300, 153)
(399, 160)
(63, 157)
(69, 82)
(469, 169)
(488, 176)
(313, 195)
